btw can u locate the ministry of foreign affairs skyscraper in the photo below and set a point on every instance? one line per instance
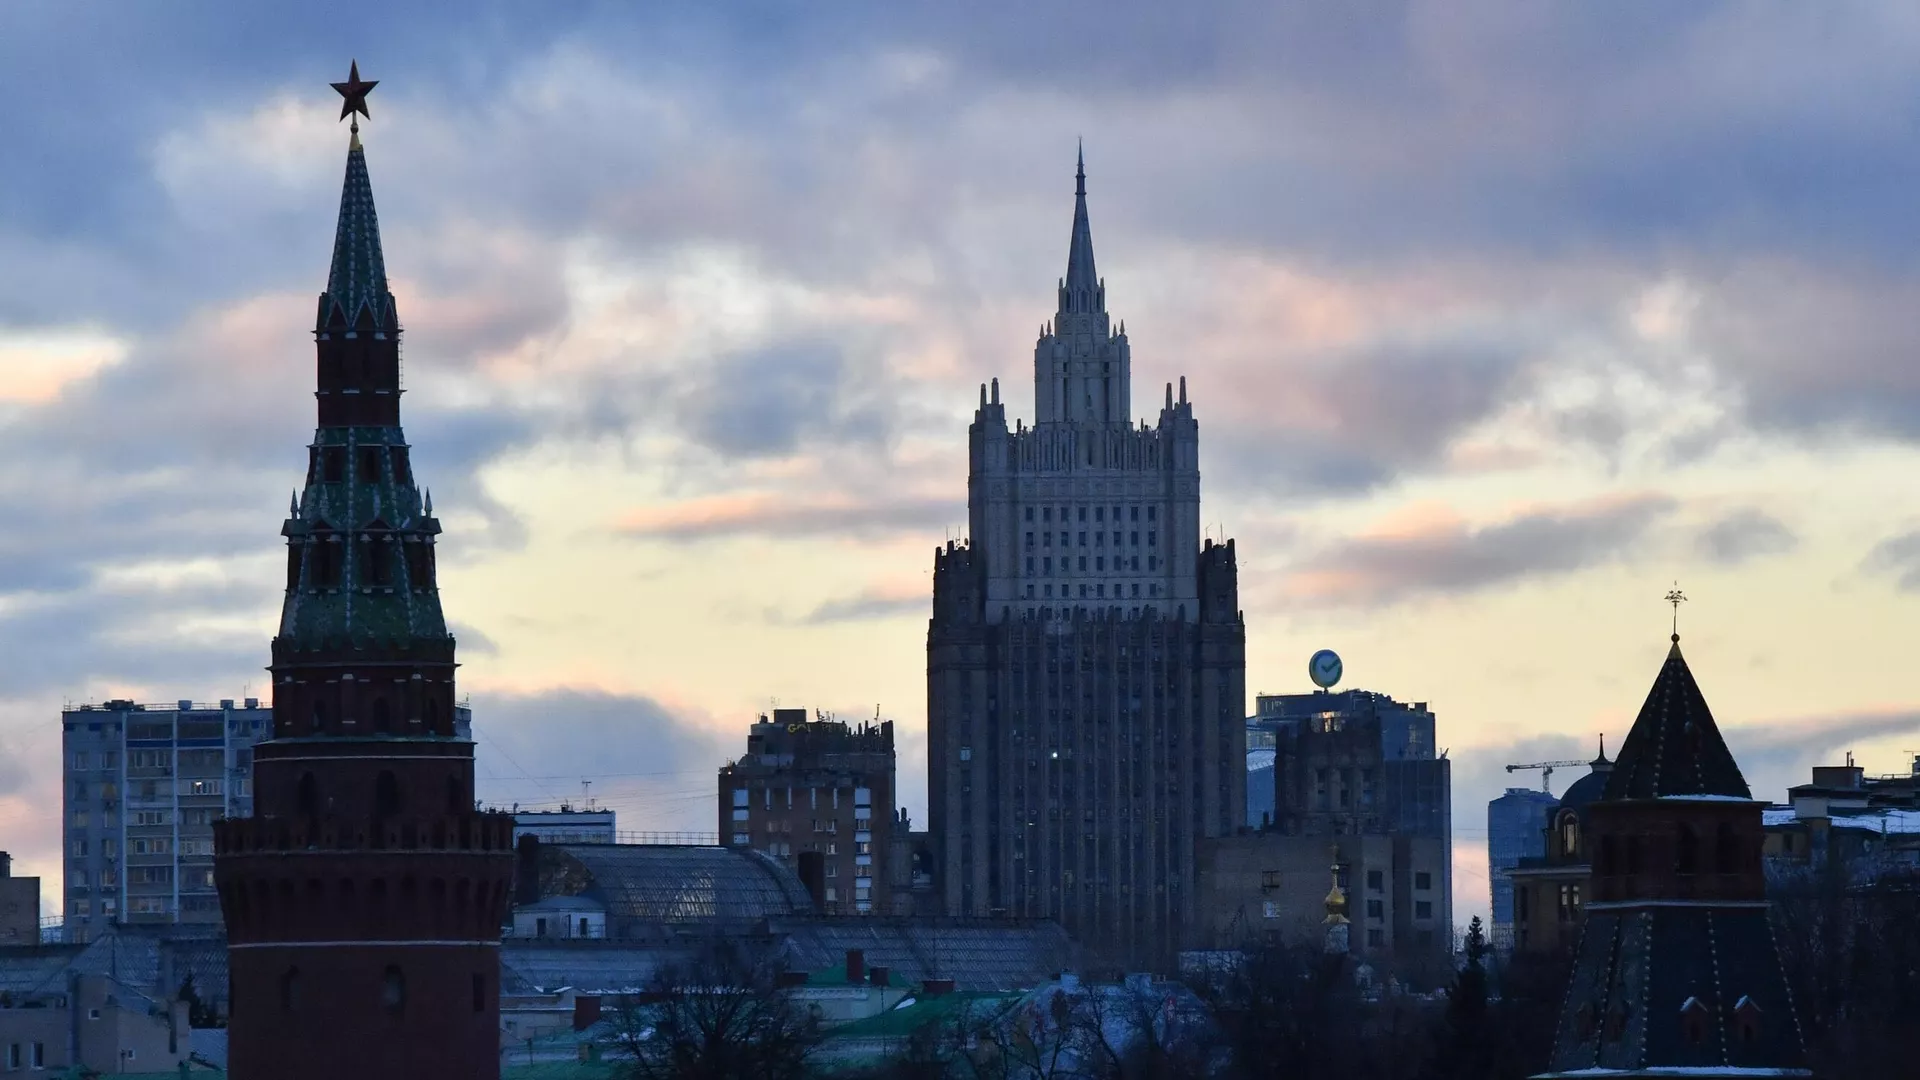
(1086, 660)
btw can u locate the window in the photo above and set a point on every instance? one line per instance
(80, 759)
(394, 994)
(400, 465)
(333, 461)
(369, 464)
(1270, 909)
(40, 1055)
(13, 1056)
(1374, 880)
(79, 849)
(1422, 909)
(1376, 909)
(1570, 835)
(966, 753)
(1029, 514)
(1375, 938)
(1423, 880)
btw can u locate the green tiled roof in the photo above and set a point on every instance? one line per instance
(902, 1022)
(357, 281)
(562, 1070)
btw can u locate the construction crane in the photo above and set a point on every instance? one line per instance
(1546, 771)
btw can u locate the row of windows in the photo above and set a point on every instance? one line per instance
(1099, 538)
(862, 796)
(1099, 513)
(328, 464)
(1120, 564)
(1096, 591)
(375, 559)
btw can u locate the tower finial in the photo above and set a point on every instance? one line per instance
(1676, 598)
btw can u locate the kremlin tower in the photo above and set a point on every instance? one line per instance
(364, 897)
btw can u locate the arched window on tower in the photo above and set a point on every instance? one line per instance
(319, 717)
(309, 795)
(393, 993)
(1570, 835)
(1726, 849)
(386, 797)
(1686, 851)
(456, 797)
(382, 716)
(375, 555)
(323, 568)
(290, 989)
(293, 565)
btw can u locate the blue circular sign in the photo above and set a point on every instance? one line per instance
(1324, 668)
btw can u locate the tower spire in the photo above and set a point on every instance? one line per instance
(1081, 289)
(357, 297)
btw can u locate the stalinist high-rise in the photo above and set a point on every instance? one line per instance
(1086, 660)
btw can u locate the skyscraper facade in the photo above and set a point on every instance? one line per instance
(1086, 656)
(364, 896)
(1516, 830)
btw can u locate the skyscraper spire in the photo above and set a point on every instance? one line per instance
(1081, 291)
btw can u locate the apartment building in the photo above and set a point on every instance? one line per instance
(812, 785)
(143, 785)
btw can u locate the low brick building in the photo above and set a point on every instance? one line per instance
(821, 786)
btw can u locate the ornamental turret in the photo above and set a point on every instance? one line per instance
(1677, 972)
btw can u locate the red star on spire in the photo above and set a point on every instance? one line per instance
(355, 92)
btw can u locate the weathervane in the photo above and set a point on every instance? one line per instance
(1676, 598)
(355, 92)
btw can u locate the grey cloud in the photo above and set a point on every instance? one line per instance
(1373, 571)
(863, 606)
(1897, 557)
(650, 765)
(1745, 534)
(797, 518)
(769, 402)
(1352, 421)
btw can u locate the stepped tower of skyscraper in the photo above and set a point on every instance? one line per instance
(1086, 654)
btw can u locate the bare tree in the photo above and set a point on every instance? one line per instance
(1849, 940)
(1141, 1030)
(1294, 1010)
(721, 1015)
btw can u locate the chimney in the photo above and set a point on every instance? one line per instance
(6, 865)
(856, 966)
(882, 975)
(934, 988)
(526, 889)
(813, 874)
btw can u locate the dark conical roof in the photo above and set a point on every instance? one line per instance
(1675, 749)
(1082, 279)
(357, 296)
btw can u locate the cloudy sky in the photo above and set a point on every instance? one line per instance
(1499, 319)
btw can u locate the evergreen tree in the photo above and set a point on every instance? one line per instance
(1468, 1045)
